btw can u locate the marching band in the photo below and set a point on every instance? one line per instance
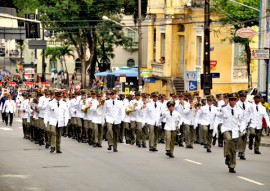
(92, 117)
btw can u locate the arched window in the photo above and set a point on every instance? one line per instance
(78, 65)
(130, 63)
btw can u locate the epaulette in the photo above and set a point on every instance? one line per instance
(64, 100)
(250, 101)
(224, 106)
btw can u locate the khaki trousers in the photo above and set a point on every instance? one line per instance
(112, 134)
(242, 143)
(257, 133)
(25, 127)
(189, 134)
(140, 134)
(170, 137)
(98, 133)
(207, 135)
(133, 131)
(153, 134)
(126, 131)
(55, 136)
(230, 148)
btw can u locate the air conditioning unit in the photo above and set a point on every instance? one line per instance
(115, 68)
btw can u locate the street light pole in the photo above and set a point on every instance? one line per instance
(139, 43)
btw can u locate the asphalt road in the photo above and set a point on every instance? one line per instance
(26, 166)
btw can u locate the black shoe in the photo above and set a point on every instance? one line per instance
(58, 151)
(41, 143)
(150, 149)
(205, 146)
(189, 147)
(47, 146)
(250, 146)
(98, 145)
(139, 145)
(154, 150)
(144, 146)
(242, 158)
(208, 150)
(95, 145)
(36, 142)
(231, 170)
(181, 145)
(162, 141)
(257, 152)
(109, 148)
(52, 149)
(168, 153)
(227, 160)
(171, 155)
(115, 150)
(220, 145)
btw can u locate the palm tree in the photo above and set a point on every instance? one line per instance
(63, 52)
(53, 53)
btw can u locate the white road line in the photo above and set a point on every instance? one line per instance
(198, 163)
(14, 176)
(6, 129)
(249, 180)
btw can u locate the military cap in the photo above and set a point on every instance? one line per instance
(242, 93)
(99, 94)
(154, 94)
(137, 93)
(209, 98)
(144, 95)
(232, 96)
(113, 92)
(162, 95)
(170, 103)
(196, 93)
(58, 93)
(83, 91)
(93, 92)
(77, 93)
(47, 92)
(180, 94)
(65, 96)
(218, 95)
(257, 96)
(225, 95)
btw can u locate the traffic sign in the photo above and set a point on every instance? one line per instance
(191, 75)
(193, 85)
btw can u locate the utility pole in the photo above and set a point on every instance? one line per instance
(207, 76)
(43, 75)
(139, 43)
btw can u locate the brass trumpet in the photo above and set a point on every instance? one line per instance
(130, 109)
(86, 107)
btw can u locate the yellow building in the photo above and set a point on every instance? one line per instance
(176, 32)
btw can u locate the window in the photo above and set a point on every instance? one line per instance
(130, 63)
(239, 65)
(239, 53)
(182, 55)
(78, 65)
(199, 50)
(163, 45)
(131, 34)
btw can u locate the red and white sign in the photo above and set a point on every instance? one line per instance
(246, 33)
(213, 64)
(47, 84)
(260, 54)
(29, 84)
(12, 83)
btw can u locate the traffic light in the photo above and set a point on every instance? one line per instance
(32, 29)
(206, 83)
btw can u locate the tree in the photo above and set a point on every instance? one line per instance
(78, 20)
(238, 16)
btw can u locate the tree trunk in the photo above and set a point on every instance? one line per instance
(83, 73)
(248, 52)
(93, 56)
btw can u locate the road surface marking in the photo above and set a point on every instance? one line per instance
(6, 129)
(193, 161)
(14, 176)
(249, 180)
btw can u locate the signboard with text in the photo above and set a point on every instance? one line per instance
(260, 54)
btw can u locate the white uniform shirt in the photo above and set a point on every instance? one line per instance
(42, 105)
(112, 111)
(153, 112)
(258, 113)
(172, 120)
(233, 120)
(58, 115)
(206, 116)
(25, 108)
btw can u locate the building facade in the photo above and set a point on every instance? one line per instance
(176, 32)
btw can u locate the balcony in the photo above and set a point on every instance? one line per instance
(158, 69)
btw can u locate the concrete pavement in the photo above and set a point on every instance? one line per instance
(26, 166)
